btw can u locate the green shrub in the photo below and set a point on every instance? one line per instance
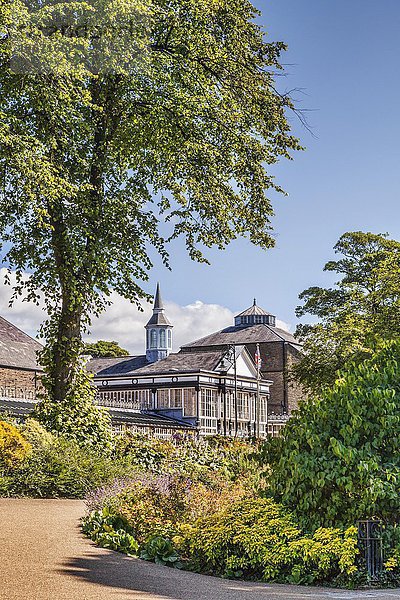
(14, 448)
(227, 530)
(110, 531)
(147, 453)
(38, 437)
(256, 538)
(161, 551)
(151, 506)
(338, 458)
(64, 469)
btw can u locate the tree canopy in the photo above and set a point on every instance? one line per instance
(337, 459)
(362, 309)
(117, 118)
(105, 349)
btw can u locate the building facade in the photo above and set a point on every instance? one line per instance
(279, 351)
(211, 386)
(210, 392)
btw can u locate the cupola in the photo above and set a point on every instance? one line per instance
(158, 332)
(255, 316)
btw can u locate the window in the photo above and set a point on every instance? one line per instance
(153, 338)
(163, 341)
(169, 398)
(189, 402)
(162, 398)
(169, 338)
(208, 404)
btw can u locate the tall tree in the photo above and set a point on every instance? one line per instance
(360, 311)
(116, 117)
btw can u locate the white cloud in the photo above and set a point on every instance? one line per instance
(124, 323)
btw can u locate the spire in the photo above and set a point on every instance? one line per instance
(159, 331)
(254, 302)
(158, 303)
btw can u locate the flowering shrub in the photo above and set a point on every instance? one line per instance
(14, 448)
(226, 530)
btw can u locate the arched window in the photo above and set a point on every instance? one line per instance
(163, 341)
(153, 338)
(169, 338)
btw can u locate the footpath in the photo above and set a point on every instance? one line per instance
(43, 556)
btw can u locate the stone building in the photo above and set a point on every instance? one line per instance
(19, 368)
(279, 350)
(209, 392)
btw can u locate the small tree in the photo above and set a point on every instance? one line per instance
(105, 349)
(338, 457)
(362, 308)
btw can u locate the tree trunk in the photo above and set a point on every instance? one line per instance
(65, 349)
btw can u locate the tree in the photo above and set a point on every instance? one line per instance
(118, 118)
(105, 349)
(362, 309)
(337, 459)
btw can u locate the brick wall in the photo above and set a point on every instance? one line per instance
(17, 383)
(277, 360)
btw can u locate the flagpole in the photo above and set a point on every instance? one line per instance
(258, 393)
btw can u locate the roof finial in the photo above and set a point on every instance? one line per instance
(254, 302)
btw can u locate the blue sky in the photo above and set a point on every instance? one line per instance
(344, 57)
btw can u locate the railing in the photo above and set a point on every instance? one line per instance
(371, 545)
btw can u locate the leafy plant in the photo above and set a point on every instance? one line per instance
(362, 308)
(338, 458)
(161, 551)
(110, 531)
(14, 448)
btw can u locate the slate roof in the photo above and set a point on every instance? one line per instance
(17, 349)
(147, 419)
(251, 334)
(25, 407)
(116, 366)
(183, 362)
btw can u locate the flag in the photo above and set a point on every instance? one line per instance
(257, 358)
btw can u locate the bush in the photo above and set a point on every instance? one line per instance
(38, 437)
(338, 458)
(151, 506)
(228, 531)
(63, 469)
(14, 448)
(256, 538)
(110, 531)
(145, 452)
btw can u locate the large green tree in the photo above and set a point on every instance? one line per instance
(338, 457)
(362, 309)
(116, 117)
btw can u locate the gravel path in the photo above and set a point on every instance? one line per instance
(43, 556)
